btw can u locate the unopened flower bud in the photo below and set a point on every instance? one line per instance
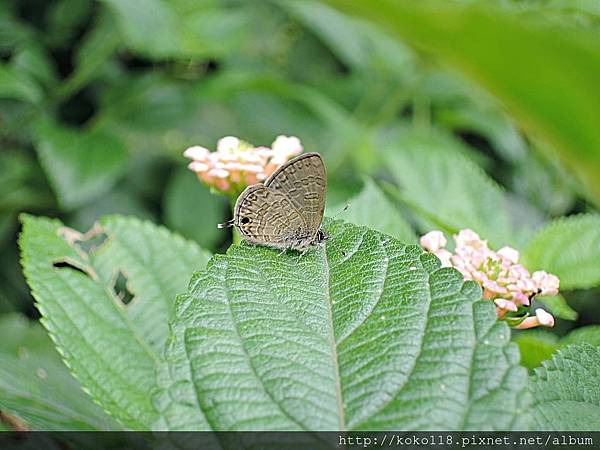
(433, 241)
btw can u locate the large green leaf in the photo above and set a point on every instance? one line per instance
(364, 333)
(80, 165)
(569, 248)
(546, 75)
(112, 348)
(566, 390)
(449, 190)
(35, 385)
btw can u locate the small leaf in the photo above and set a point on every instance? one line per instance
(558, 306)
(364, 333)
(80, 165)
(566, 391)
(569, 248)
(35, 385)
(372, 209)
(111, 348)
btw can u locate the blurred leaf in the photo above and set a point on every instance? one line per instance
(191, 209)
(559, 307)
(96, 47)
(440, 183)
(566, 391)
(149, 104)
(459, 104)
(148, 26)
(118, 201)
(358, 44)
(80, 164)
(536, 346)
(372, 209)
(17, 183)
(544, 183)
(13, 32)
(17, 84)
(550, 84)
(13, 290)
(65, 18)
(299, 336)
(178, 28)
(36, 387)
(569, 248)
(343, 136)
(33, 60)
(111, 348)
(589, 335)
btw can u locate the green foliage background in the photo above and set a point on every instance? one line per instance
(431, 115)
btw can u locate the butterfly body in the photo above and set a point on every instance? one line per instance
(287, 210)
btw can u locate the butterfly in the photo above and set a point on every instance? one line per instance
(286, 211)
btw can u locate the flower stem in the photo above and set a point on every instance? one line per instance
(236, 237)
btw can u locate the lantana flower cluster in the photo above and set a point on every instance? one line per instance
(504, 281)
(237, 164)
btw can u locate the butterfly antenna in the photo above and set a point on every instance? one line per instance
(341, 211)
(227, 224)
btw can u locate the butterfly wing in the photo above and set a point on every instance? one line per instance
(268, 217)
(303, 179)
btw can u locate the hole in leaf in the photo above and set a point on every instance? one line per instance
(121, 290)
(93, 243)
(67, 265)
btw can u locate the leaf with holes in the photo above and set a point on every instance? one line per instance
(110, 347)
(566, 390)
(569, 248)
(363, 333)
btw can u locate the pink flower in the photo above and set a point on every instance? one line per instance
(237, 164)
(547, 283)
(503, 279)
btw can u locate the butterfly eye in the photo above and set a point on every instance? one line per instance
(245, 221)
